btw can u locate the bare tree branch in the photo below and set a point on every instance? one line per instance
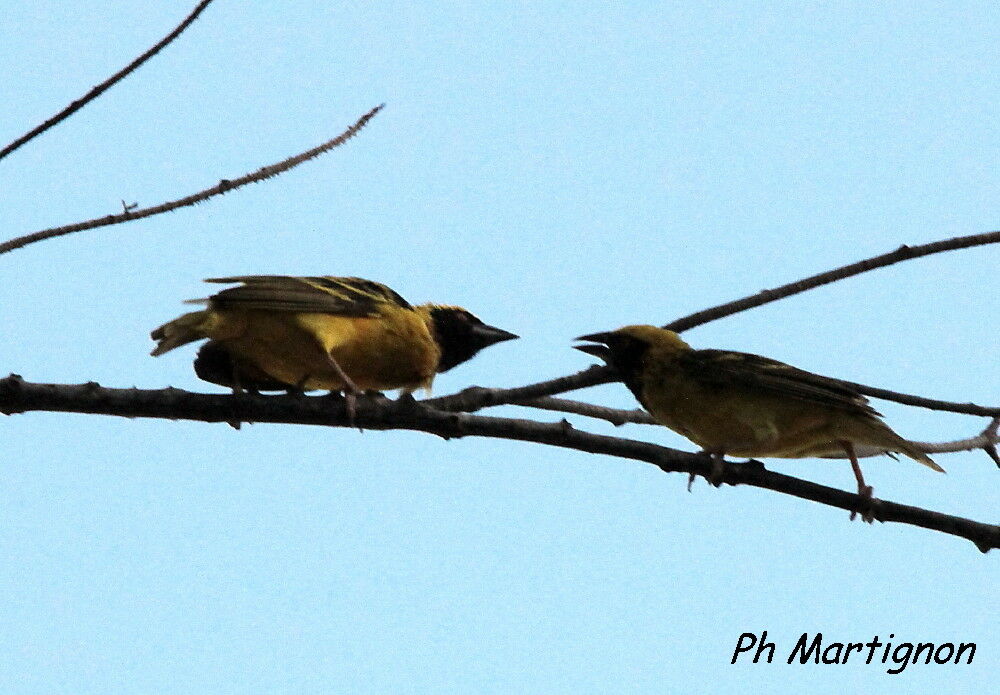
(986, 440)
(477, 397)
(616, 416)
(18, 396)
(903, 253)
(108, 83)
(224, 186)
(921, 402)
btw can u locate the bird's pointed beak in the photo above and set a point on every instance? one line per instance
(595, 338)
(601, 350)
(490, 335)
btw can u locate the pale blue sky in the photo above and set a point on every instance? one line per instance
(558, 168)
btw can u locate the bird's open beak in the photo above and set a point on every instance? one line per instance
(600, 351)
(490, 335)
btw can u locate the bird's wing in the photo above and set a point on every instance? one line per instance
(724, 368)
(352, 297)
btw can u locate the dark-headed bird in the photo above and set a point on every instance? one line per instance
(273, 332)
(745, 405)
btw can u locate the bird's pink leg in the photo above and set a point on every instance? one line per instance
(863, 489)
(351, 391)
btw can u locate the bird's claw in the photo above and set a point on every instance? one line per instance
(718, 474)
(350, 399)
(868, 511)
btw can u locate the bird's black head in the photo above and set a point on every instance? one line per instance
(461, 335)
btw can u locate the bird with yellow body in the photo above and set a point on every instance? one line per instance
(273, 332)
(735, 403)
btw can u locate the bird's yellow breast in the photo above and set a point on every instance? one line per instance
(391, 350)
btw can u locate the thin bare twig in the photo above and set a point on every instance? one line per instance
(18, 396)
(475, 398)
(108, 83)
(224, 186)
(987, 439)
(616, 416)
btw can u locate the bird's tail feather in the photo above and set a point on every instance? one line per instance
(916, 454)
(182, 330)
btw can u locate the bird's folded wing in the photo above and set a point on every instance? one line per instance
(347, 296)
(723, 368)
